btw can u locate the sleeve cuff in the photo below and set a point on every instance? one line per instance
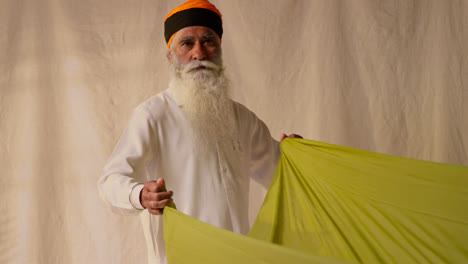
(134, 196)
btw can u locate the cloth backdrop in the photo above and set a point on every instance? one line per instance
(385, 76)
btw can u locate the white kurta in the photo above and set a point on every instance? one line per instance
(157, 143)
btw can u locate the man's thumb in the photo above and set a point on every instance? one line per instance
(161, 183)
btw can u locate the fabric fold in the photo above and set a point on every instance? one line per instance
(334, 204)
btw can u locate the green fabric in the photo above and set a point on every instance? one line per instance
(329, 202)
(189, 240)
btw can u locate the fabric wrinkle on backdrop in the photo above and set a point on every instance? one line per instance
(384, 76)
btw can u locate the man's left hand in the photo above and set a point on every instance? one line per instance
(290, 136)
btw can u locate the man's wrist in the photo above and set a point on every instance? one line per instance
(134, 196)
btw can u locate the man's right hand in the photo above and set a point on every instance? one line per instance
(154, 196)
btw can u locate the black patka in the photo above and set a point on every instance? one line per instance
(192, 17)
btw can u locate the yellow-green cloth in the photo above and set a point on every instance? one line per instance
(189, 240)
(329, 202)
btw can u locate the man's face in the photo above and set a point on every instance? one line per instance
(195, 43)
(199, 84)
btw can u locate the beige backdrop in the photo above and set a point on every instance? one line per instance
(387, 76)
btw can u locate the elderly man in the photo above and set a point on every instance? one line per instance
(191, 138)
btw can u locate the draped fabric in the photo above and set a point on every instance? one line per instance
(189, 240)
(385, 76)
(329, 203)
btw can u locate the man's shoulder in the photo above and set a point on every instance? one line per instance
(240, 107)
(154, 107)
(243, 111)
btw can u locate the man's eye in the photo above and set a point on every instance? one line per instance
(209, 42)
(186, 44)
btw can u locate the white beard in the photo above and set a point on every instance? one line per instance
(204, 97)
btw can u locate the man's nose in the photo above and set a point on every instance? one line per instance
(198, 52)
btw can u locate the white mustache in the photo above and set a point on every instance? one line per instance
(199, 65)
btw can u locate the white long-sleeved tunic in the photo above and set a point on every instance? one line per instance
(157, 143)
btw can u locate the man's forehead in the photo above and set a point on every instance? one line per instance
(195, 32)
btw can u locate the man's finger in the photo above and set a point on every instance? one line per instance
(161, 184)
(155, 186)
(160, 204)
(151, 186)
(283, 137)
(151, 196)
(158, 211)
(295, 136)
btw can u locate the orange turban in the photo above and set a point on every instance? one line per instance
(192, 13)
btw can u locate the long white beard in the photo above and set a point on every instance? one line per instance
(204, 96)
